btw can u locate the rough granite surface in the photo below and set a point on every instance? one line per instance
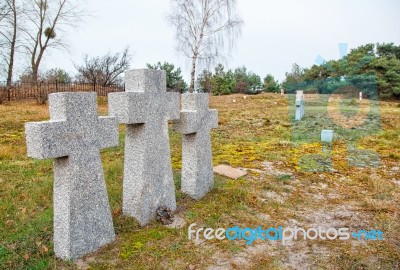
(73, 137)
(145, 108)
(195, 124)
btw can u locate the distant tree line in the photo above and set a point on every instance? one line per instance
(370, 67)
(239, 80)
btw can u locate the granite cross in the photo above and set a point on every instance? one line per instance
(195, 124)
(299, 105)
(73, 137)
(145, 108)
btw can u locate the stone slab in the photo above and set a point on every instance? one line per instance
(229, 171)
(327, 136)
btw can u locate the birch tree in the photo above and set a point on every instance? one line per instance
(205, 30)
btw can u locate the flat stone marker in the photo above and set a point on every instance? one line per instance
(145, 108)
(195, 124)
(228, 171)
(73, 137)
(327, 135)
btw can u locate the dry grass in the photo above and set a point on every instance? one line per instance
(252, 131)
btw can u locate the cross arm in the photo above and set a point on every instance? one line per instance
(47, 139)
(193, 121)
(187, 123)
(213, 118)
(128, 107)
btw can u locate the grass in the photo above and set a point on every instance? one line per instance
(251, 131)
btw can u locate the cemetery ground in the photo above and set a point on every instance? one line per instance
(254, 134)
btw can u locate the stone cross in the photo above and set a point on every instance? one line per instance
(195, 124)
(299, 105)
(73, 137)
(145, 108)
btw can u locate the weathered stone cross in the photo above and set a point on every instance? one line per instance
(145, 108)
(299, 105)
(195, 124)
(73, 137)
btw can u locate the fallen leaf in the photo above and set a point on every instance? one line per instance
(11, 246)
(9, 223)
(45, 249)
(117, 211)
(26, 256)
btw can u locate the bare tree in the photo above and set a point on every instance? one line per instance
(9, 14)
(106, 69)
(3, 10)
(47, 18)
(204, 29)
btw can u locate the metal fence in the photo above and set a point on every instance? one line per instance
(27, 90)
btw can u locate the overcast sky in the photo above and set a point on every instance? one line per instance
(275, 34)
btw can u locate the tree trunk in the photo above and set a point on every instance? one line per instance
(36, 63)
(12, 46)
(35, 71)
(192, 75)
